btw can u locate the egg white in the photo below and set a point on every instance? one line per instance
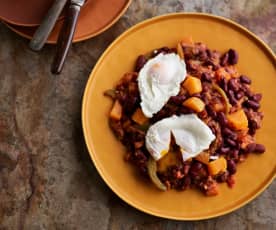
(158, 80)
(191, 134)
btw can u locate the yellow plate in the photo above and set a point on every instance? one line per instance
(256, 61)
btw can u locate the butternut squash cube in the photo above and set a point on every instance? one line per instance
(216, 166)
(139, 117)
(238, 120)
(193, 85)
(195, 104)
(116, 111)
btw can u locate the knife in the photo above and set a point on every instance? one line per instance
(66, 35)
(47, 25)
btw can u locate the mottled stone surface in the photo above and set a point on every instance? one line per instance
(47, 180)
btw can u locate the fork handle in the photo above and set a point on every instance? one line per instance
(65, 38)
(45, 28)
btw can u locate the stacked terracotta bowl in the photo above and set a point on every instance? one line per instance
(23, 17)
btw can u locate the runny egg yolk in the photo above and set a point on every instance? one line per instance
(164, 152)
(161, 73)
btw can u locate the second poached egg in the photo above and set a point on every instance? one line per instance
(191, 134)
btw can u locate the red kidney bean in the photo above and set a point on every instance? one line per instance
(164, 50)
(224, 59)
(209, 53)
(224, 150)
(204, 98)
(257, 97)
(209, 62)
(202, 55)
(231, 142)
(210, 111)
(205, 87)
(259, 148)
(234, 154)
(206, 77)
(229, 133)
(185, 110)
(186, 182)
(222, 177)
(140, 155)
(173, 50)
(232, 98)
(233, 84)
(238, 146)
(141, 61)
(252, 131)
(203, 115)
(196, 166)
(186, 168)
(250, 148)
(230, 181)
(247, 91)
(223, 84)
(244, 79)
(221, 118)
(233, 57)
(231, 167)
(215, 67)
(213, 130)
(252, 104)
(178, 99)
(195, 169)
(239, 95)
(253, 124)
(130, 103)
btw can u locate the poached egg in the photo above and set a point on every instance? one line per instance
(158, 80)
(191, 134)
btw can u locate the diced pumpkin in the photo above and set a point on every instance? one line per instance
(187, 41)
(203, 157)
(139, 117)
(171, 158)
(193, 85)
(238, 120)
(180, 51)
(116, 111)
(195, 104)
(217, 166)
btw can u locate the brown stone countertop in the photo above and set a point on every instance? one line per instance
(47, 180)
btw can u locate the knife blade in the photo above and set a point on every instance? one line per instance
(66, 35)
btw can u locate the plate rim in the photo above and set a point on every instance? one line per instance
(75, 40)
(90, 147)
